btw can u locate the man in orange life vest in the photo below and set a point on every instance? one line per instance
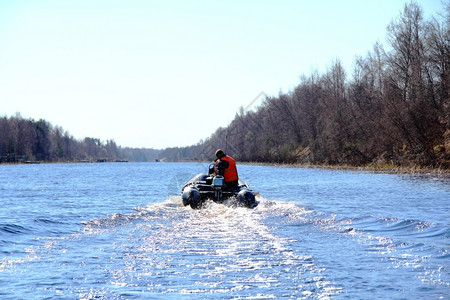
(225, 166)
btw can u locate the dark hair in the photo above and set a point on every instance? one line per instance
(220, 153)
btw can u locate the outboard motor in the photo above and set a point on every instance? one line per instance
(218, 184)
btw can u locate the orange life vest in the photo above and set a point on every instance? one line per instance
(230, 173)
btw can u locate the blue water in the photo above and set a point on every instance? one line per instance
(119, 231)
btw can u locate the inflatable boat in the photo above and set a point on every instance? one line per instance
(203, 187)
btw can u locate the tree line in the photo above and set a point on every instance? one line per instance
(394, 107)
(28, 140)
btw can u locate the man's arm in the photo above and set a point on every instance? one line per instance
(221, 167)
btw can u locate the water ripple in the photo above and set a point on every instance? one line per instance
(111, 231)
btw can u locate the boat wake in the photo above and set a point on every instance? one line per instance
(166, 248)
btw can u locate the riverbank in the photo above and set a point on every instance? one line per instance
(380, 168)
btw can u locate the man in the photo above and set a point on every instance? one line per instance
(225, 166)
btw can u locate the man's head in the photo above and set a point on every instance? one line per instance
(220, 153)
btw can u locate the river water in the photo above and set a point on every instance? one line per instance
(119, 231)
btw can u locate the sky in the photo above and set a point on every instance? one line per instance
(158, 74)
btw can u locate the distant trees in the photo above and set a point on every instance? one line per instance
(394, 107)
(139, 154)
(30, 140)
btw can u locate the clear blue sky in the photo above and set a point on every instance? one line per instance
(169, 73)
